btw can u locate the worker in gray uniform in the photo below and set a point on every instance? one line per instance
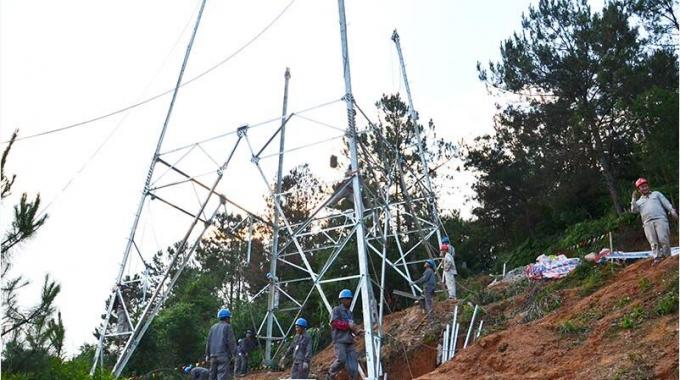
(301, 349)
(221, 346)
(343, 330)
(428, 280)
(244, 347)
(197, 373)
(653, 208)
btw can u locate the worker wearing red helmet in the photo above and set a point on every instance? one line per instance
(653, 208)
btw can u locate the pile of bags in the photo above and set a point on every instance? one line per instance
(551, 267)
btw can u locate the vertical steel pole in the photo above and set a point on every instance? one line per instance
(372, 357)
(275, 232)
(135, 223)
(419, 139)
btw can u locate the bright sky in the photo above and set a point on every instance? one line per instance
(68, 61)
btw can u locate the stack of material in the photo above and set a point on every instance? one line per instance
(605, 255)
(551, 267)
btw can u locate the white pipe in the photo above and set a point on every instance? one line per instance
(455, 341)
(453, 325)
(472, 322)
(479, 330)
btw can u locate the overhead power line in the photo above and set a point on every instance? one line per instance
(160, 95)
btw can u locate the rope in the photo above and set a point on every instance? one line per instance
(160, 95)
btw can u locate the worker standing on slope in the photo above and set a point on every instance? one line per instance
(221, 346)
(343, 331)
(428, 281)
(450, 272)
(301, 349)
(653, 207)
(245, 346)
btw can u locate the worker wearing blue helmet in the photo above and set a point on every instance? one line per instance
(221, 346)
(343, 331)
(196, 373)
(429, 281)
(301, 349)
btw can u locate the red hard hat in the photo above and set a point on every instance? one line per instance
(640, 181)
(444, 247)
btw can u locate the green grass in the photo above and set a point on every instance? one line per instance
(572, 327)
(667, 304)
(633, 319)
(644, 284)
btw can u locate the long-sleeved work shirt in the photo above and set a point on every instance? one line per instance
(651, 207)
(341, 318)
(221, 341)
(301, 348)
(246, 345)
(428, 280)
(449, 264)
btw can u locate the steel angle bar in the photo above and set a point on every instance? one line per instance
(293, 265)
(113, 335)
(251, 299)
(294, 280)
(186, 180)
(288, 295)
(222, 196)
(282, 127)
(392, 265)
(171, 166)
(125, 310)
(339, 279)
(156, 197)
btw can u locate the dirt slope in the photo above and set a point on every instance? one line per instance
(409, 348)
(614, 333)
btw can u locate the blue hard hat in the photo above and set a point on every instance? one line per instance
(345, 293)
(301, 322)
(445, 239)
(187, 369)
(431, 263)
(223, 313)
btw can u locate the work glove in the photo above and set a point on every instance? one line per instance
(305, 366)
(635, 195)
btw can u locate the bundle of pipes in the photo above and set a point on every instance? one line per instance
(450, 339)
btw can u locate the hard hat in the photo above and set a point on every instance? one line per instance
(443, 247)
(345, 293)
(249, 332)
(187, 369)
(431, 263)
(640, 181)
(445, 239)
(223, 313)
(301, 322)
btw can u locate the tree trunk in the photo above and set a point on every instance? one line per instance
(603, 162)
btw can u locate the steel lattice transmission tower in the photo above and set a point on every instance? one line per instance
(379, 231)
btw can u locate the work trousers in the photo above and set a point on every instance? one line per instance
(346, 356)
(450, 279)
(427, 303)
(657, 232)
(298, 371)
(219, 368)
(242, 363)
